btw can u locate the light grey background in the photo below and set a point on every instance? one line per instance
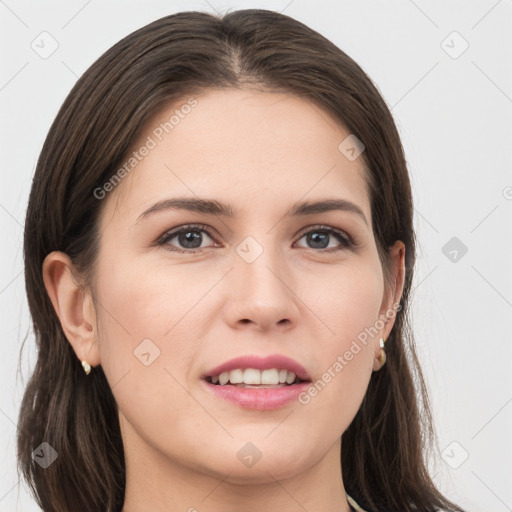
(454, 112)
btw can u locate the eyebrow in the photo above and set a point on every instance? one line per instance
(214, 207)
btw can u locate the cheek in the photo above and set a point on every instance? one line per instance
(348, 309)
(146, 333)
(145, 301)
(347, 302)
(145, 367)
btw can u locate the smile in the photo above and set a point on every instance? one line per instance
(252, 377)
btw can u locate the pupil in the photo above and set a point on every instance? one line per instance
(319, 237)
(195, 239)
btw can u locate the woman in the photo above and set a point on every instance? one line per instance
(219, 251)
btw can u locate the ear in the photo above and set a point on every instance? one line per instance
(73, 304)
(392, 293)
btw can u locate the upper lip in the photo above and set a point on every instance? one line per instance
(260, 363)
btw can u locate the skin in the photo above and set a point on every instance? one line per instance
(260, 152)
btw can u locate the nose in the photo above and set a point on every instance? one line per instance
(262, 292)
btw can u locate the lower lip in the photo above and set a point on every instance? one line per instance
(258, 398)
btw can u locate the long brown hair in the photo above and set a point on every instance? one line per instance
(383, 461)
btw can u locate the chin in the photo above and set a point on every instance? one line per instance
(263, 472)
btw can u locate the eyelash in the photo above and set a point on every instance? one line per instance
(346, 241)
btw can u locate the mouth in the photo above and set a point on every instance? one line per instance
(255, 378)
(254, 382)
(251, 388)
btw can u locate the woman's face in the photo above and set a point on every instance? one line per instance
(260, 282)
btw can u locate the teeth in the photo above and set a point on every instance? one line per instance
(236, 376)
(252, 376)
(270, 376)
(290, 378)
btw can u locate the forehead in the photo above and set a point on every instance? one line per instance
(247, 147)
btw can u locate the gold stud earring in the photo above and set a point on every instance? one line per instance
(382, 352)
(382, 358)
(86, 367)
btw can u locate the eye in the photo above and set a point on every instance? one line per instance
(321, 236)
(189, 237)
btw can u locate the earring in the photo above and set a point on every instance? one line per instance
(382, 358)
(87, 367)
(382, 352)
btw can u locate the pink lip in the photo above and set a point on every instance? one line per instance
(260, 363)
(254, 398)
